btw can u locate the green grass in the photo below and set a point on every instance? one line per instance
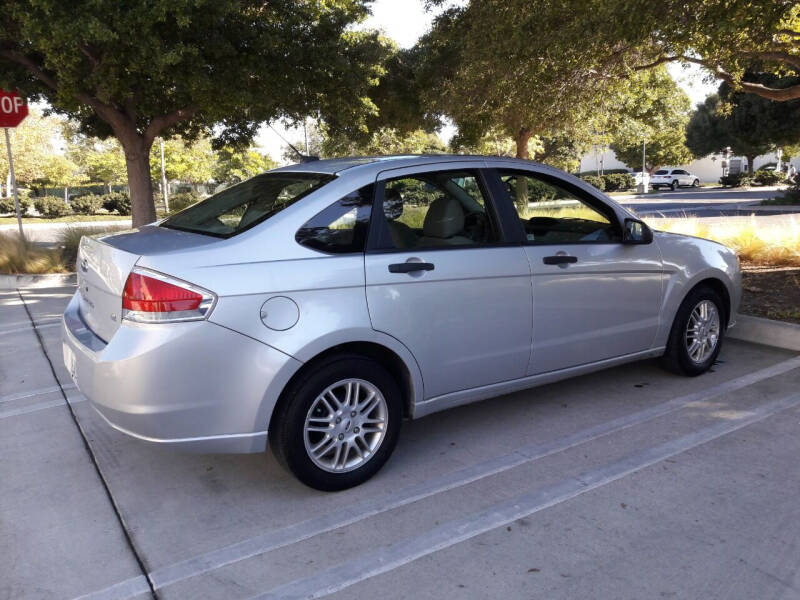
(67, 219)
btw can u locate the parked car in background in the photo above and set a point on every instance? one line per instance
(674, 178)
(315, 306)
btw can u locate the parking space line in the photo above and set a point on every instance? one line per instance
(24, 410)
(297, 532)
(120, 591)
(393, 556)
(30, 328)
(33, 393)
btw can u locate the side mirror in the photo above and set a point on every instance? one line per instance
(636, 232)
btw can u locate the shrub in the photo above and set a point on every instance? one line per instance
(737, 180)
(87, 205)
(615, 182)
(182, 200)
(596, 181)
(763, 177)
(18, 255)
(118, 202)
(7, 205)
(605, 172)
(51, 207)
(69, 239)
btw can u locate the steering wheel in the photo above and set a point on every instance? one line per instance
(475, 225)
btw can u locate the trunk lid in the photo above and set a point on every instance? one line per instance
(104, 263)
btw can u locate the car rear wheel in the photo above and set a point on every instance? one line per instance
(338, 426)
(696, 336)
(674, 185)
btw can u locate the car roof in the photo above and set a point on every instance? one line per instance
(333, 166)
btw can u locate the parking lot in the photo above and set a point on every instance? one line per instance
(628, 483)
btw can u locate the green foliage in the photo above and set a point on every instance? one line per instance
(736, 180)
(31, 145)
(750, 125)
(182, 200)
(51, 207)
(655, 109)
(184, 160)
(143, 69)
(763, 177)
(117, 202)
(383, 141)
(598, 182)
(7, 205)
(617, 182)
(87, 205)
(234, 165)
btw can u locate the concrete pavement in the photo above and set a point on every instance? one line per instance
(629, 483)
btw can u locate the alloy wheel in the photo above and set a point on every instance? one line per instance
(702, 331)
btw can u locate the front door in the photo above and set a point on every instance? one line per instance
(440, 279)
(594, 298)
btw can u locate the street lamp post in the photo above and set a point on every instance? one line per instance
(164, 189)
(643, 187)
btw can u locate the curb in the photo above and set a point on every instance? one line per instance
(767, 332)
(13, 282)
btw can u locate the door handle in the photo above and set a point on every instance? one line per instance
(410, 267)
(559, 259)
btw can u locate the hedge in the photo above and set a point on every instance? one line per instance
(51, 207)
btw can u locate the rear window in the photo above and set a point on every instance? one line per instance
(662, 172)
(246, 204)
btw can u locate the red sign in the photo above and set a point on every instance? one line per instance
(13, 109)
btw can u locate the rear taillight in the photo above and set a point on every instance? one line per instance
(151, 297)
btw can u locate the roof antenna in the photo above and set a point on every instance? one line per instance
(303, 158)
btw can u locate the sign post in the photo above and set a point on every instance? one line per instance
(13, 109)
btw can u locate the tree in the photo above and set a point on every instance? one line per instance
(749, 124)
(31, 144)
(58, 170)
(102, 161)
(531, 68)
(654, 109)
(184, 160)
(727, 37)
(233, 165)
(384, 141)
(140, 70)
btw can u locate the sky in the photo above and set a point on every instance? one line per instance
(405, 21)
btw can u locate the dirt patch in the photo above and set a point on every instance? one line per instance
(771, 292)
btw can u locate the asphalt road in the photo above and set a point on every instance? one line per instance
(628, 483)
(704, 202)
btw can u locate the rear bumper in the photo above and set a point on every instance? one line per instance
(195, 385)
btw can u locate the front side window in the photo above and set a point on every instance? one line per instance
(553, 214)
(342, 227)
(661, 172)
(245, 205)
(438, 209)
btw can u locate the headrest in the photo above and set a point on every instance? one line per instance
(393, 204)
(445, 218)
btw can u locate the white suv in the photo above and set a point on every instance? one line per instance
(673, 178)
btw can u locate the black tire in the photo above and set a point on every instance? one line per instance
(696, 183)
(676, 358)
(674, 185)
(286, 433)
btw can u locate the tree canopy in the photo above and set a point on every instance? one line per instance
(749, 124)
(139, 70)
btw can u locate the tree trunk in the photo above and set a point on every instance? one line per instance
(750, 161)
(137, 161)
(521, 140)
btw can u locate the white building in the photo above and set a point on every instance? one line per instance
(707, 169)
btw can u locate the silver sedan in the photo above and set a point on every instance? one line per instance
(315, 306)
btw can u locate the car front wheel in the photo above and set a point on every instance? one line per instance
(696, 183)
(338, 426)
(696, 336)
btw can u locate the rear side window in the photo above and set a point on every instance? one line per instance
(246, 204)
(342, 227)
(661, 172)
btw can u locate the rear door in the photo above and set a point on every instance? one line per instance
(442, 278)
(594, 298)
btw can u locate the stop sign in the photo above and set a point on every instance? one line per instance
(13, 109)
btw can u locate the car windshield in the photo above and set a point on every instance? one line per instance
(662, 172)
(245, 205)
